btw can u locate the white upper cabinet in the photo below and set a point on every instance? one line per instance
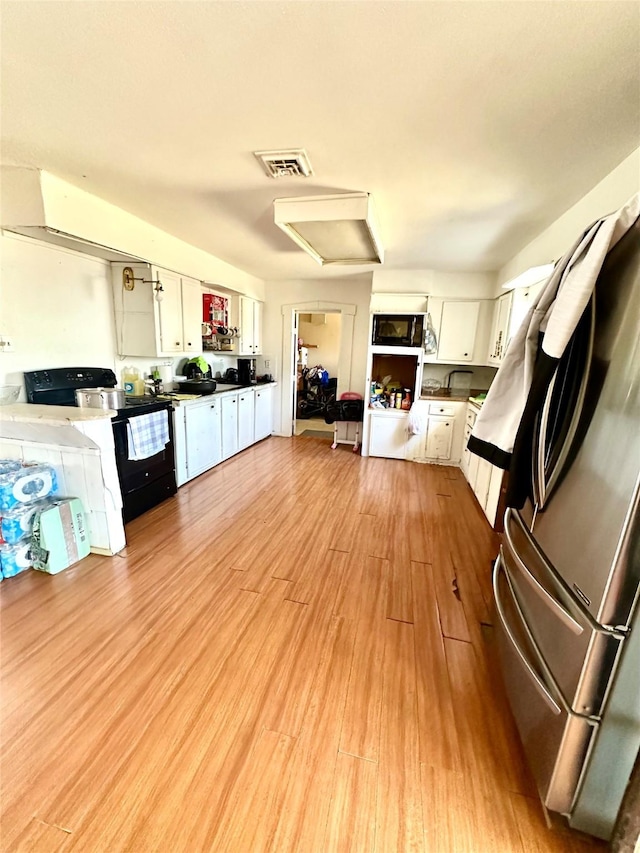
(250, 342)
(523, 299)
(168, 314)
(462, 328)
(500, 329)
(458, 329)
(191, 315)
(146, 326)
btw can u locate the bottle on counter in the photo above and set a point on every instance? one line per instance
(132, 382)
(406, 400)
(398, 398)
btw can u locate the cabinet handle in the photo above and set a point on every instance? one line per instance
(466, 353)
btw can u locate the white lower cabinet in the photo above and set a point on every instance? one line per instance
(439, 437)
(246, 414)
(484, 478)
(263, 412)
(440, 442)
(214, 428)
(203, 442)
(229, 425)
(388, 435)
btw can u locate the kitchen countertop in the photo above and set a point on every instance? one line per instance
(221, 388)
(459, 397)
(60, 415)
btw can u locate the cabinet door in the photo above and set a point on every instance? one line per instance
(493, 494)
(466, 453)
(246, 326)
(500, 329)
(257, 328)
(202, 435)
(388, 436)
(458, 331)
(483, 478)
(245, 419)
(263, 413)
(229, 427)
(170, 312)
(439, 436)
(191, 315)
(472, 473)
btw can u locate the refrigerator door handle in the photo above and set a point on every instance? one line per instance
(559, 705)
(535, 584)
(538, 682)
(617, 631)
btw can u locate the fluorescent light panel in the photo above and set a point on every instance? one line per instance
(336, 229)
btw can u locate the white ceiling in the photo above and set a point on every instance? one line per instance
(473, 124)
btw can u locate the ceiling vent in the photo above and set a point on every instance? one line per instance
(287, 163)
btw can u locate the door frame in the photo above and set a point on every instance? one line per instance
(290, 313)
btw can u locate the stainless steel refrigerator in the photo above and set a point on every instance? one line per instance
(567, 580)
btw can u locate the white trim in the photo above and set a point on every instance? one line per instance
(345, 360)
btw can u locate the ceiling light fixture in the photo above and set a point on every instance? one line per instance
(534, 275)
(333, 229)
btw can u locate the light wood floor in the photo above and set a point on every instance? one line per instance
(293, 654)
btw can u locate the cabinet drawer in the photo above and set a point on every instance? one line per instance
(471, 416)
(442, 409)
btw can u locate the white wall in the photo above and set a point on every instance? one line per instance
(551, 244)
(435, 283)
(57, 307)
(355, 290)
(36, 198)
(326, 340)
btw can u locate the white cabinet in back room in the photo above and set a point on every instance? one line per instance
(246, 414)
(462, 328)
(388, 434)
(500, 329)
(441, 441)
(263, 419)
(229, 425)
(439, 437)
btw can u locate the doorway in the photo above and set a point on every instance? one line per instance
(317, 357)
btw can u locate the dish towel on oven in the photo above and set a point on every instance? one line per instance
(147, 434)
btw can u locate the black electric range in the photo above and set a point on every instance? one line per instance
(144, 483)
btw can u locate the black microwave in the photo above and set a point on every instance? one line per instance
(398, 330)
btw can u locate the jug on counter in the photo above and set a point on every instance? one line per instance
(132, 382)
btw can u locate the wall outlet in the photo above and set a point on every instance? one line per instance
(6, 344)
(267, 363)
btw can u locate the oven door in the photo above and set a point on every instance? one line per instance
(146, 482)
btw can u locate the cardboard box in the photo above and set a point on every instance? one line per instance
(60, 536)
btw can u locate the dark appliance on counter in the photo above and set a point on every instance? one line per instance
(247, 371)
(144, 483)
(197, 386)
(231, 376)
(398, 330)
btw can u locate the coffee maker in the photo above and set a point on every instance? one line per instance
(247, 371)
